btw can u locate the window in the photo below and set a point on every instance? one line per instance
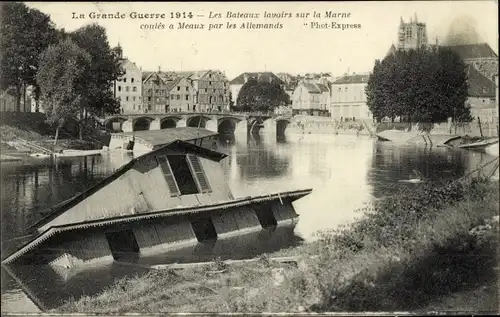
(124, 80)
(133, 98)
(206, 90)
(134, 89)
(119, 88)
(209, 83)
(172, 97)
(183, 174)
(149, 98)
(127, 89)
(178, 88)
(126, 98)
(187, 88)
(178, 97)
(187, 97)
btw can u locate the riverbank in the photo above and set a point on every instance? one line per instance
(409, 252)
(8, 135)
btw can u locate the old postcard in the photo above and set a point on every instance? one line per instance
(249, 157)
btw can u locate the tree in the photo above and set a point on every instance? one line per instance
(261, 96)
(24, 34)
(105, 68)
(62, 81)
(424, 86)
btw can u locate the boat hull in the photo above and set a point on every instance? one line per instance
(98, 242)
(492, 149)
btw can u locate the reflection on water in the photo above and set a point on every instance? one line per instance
(344, 172)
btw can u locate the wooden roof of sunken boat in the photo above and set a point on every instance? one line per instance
(149, 140)
(169, 198)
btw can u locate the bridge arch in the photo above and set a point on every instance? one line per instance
(227, 125)
(169, 122)
(281, 125)
(197, 121)
(141, 123)
(114, 124)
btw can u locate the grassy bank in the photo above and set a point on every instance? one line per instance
(409, 252)
(32, 127)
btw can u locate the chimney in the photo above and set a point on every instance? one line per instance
(159, 69)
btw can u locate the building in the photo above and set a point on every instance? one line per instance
(480, 55)
(319, 78)
(155, 92)
(348, 98)
(128, 89)
(480, 59)
(211, 89)
(311, 99)
(182, 95)
(238, 82)
(481, 95)
(288, 79)
(412, 35)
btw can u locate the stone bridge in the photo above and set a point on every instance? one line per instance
(221, 122)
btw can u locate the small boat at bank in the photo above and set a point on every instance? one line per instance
(479, 145)
(76, 153)
(172, 197)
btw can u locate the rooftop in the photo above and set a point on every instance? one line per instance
(352, 79)
(67, 204)
(165, 136)
(479, 85)
(263, 76)
(467, 51)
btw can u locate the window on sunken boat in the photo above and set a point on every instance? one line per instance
(184, 174)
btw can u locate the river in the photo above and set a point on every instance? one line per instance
(344, 171)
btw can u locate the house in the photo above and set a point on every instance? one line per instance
(173, 197)
(311, 99)
(238, 82)
(481, 95)
(287, 79)
(348, 98)
(318, 78)
(182, 94)
(128, 88)
(154, 93)
(211, 88)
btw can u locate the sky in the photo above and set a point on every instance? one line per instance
(296, 48)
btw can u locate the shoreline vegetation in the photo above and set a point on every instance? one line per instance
(432, 247)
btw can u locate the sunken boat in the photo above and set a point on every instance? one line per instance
(172, 197)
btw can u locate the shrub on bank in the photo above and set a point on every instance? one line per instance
(406, 250)
(10, 133)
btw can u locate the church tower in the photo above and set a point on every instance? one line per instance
(118, 51)
(412, 35)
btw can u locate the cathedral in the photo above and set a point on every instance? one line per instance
(481, 61)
